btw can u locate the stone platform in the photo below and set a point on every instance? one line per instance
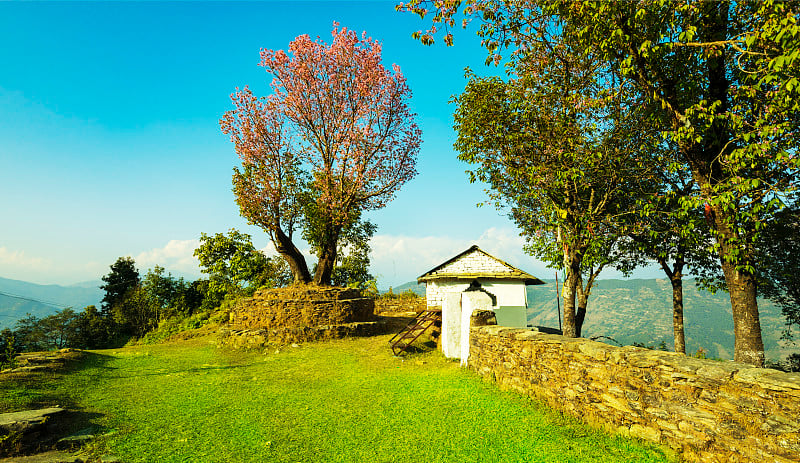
(281, 316)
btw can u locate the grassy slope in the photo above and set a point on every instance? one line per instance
(340, 401)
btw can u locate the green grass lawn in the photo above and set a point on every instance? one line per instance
(340, 401)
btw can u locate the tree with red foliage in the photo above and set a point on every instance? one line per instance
(334, 139)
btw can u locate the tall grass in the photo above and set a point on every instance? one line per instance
(340, 401)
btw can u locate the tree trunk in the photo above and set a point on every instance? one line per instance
(327, 260)
(572, 280)
(297, 263)
(580, 313)
(677, 314)
(675, 275)
(583, 298)
(327, 255)
(748, 345)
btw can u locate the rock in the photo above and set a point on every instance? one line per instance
(76, 440)
(53, 456)
(26, 420)
(645, 433)
(483, 318)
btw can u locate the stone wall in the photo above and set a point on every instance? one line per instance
(299, 314)
(302, 306)
(400, 304)
(261, 338)
(706, 410)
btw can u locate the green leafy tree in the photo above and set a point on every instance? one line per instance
(724, 76)
(661, 230)
(137, 313)
(723, 83)
(352, 261)
(52, 332)
(335, 138)
(60, 329)
(118, 282)
(9, 348)
(235, 266)
(779, 261)
(173, 296)
(29, 334)
(548, 141)
(93, 330)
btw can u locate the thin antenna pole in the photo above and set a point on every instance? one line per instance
(558, 302)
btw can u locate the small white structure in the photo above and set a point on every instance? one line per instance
(475, 280)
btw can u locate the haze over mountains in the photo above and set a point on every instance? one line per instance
(640, 311)
(19, 298)
(628, 311)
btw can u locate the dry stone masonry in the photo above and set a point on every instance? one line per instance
(300, 314)
(706, 410)
(400, 304)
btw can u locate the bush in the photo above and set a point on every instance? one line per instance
(8, 349)
(175, 325)
(405, 295)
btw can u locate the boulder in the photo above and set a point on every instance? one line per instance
(26, 420)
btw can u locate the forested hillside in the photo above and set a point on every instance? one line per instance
(629, 311)
(19, 298)
(640, 311)
(632, 311)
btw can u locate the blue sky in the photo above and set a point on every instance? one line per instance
(110, 144)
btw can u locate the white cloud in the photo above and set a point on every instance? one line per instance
(18, 260)
(176, 255)
(269, 250)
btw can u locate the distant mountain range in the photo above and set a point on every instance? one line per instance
(640, 311)
(19, 298)
(628, 311)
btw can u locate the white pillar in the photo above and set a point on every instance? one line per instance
(451, 325)
(470, 302)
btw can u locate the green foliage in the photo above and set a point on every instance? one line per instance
(405, 295)
(352, 253)
(174, 325)
(121, 279)
(8, 349)
(791, 364)
(662, 346)
(94, 330)
(52, 332)
(700, 354)
(718, 79)
(561, 145)
(191, 401)
(779, 258)
(235, 266)
(11, 443)
(138, 312)
(734, 114)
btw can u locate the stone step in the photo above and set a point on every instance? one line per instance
(52, 456)
(26, 420)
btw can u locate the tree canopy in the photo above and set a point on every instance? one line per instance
(720, 80)
(122, 278)
(334, 139)
(560, 145)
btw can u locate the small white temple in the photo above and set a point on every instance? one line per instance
(475, 280)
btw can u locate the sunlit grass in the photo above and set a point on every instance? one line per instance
(341, 401)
